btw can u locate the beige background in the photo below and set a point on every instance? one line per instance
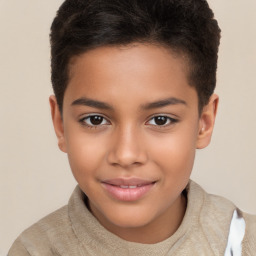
(34, 175)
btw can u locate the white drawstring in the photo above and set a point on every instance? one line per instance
(236, 235)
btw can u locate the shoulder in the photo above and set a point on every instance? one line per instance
(40, 236)
(223, 209)
(220, 210)
(213, 208)
(249, 243)
(215, 218)
(54, 234)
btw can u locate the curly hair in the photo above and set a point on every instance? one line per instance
(185, 26)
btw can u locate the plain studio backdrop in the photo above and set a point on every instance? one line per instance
(35, 178)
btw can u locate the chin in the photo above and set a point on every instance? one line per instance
(130, 223)
(130, 218)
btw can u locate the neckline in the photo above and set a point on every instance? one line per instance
(88, 230)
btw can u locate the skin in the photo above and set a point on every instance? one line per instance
(129, 142)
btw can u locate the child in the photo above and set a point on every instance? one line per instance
(134, 98)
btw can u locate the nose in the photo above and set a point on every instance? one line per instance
(127, 148)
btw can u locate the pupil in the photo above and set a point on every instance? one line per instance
(96, 120)
(160, 120)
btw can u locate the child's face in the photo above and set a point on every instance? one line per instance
(130, 129)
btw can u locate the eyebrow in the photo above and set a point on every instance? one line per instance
(91, 103)
(102, 105)
(164, 103)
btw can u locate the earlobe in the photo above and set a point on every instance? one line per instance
(206, 123)
(57, 123)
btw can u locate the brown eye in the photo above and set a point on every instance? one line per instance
(162, 121)
(94, 120)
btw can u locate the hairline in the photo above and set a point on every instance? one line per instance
(176, 52)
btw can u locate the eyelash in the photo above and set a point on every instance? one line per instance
(171, 121)
(91, 126)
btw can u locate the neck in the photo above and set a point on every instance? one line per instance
(157, 231)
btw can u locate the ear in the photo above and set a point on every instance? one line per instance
(57, 123)
(206, 122)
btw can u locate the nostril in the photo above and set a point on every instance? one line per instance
(127, 149)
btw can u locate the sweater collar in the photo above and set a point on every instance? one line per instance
(89, 230)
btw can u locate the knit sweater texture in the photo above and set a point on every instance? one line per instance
(73, 230)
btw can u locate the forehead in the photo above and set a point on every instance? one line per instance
(129, 57)
(133, 72)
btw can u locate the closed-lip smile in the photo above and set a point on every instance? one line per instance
(127, 189)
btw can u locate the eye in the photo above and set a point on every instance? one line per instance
(162, 121)
(94, 120)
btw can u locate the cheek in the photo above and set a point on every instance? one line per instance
(86, 155)
(175, 152)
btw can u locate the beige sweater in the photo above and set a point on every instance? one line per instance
(72, 230)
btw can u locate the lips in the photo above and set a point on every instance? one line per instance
(131, 189)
